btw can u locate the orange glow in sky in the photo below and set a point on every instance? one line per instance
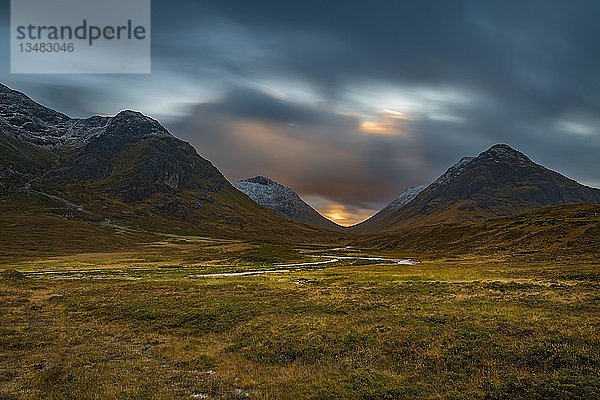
(377, 128)
(338, 214)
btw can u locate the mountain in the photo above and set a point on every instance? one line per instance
(547, 233)
(404, 198)
(39, 125)
(385, 213)
(127, 170)
(282, 200)
(501, 181)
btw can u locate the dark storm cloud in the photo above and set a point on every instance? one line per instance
(318, 152)
(271, 87)
(242, 102)
(484, 43)
(526, 63)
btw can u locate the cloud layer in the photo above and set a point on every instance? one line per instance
(351, 102)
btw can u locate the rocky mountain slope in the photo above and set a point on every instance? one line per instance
(499, 182)
(126, 169)
(406, 197)
(283, 200)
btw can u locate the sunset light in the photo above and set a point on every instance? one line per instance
(377, 128)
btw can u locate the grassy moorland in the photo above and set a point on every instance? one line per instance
(144, 322)
(565, 231)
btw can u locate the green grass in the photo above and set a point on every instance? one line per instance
(466, 327)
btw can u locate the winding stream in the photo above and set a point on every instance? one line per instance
(322, 261)
(294, 267)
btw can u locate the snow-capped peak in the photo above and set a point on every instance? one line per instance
(453, 171)
(407, 196)
(282, 200)
(42, 126)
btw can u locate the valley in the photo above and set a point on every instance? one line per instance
(131, 268)
(170, 319)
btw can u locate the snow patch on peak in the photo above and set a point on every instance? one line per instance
(453, 171)
(42, 126)
(282, 200)
(402, 200)
(269, 193)
(407, 196)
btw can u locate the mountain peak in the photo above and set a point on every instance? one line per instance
(35, 123)
(129, 114)
(501, 181)
(502, 147)
(503, 151)
(282, 200)
(134, 123)
(261, 180)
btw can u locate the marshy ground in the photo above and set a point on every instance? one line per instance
(148, 324)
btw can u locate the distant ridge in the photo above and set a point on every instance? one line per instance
(380, 217)
(282, 200)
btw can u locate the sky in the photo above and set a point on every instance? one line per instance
(351, 102)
